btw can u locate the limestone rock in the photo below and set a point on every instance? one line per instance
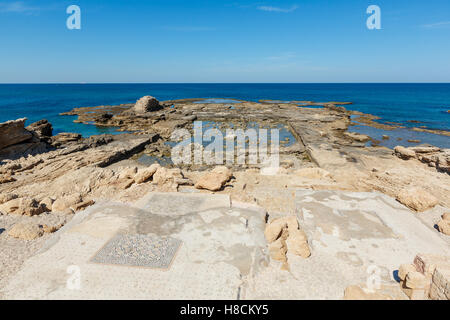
(356, 136)
(286, 230)
(297, 243)
(25, 231)
(417, 199)
(404, 153)
(48, 203)
(440, 285)
(416, 280)
(427, 263)
(277, 250)
(67, 202)
(42, 129)
(273, 230)
(5, 178)
(51, 228)
(83, 205)
(405, 269)
(425, 149)
(23, 206)
(5, 197)
(146, 104)
(214, 180)
(446, 216)
(13, 132)
(128, 173)
(146, 174)
(313, 173)
(444, 227)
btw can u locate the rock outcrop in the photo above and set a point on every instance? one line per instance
(42, 129)
(13, 132)
(417, 199)
(23, 206)
(284, 235)
(428, 277)
(26, 231)
(444, 224)
(214, 180)
(432, 156)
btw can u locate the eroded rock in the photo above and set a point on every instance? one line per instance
(26, 231)
(214, 180)
(146, 174)
(417, 199)
(13, 132)
(404, 153)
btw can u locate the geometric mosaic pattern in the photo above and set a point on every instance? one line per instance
(138, 250)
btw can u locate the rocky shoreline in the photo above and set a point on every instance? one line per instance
(45, 180)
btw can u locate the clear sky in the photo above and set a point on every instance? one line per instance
(224, 41)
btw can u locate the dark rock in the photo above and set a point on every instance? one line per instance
(42, 129)
(13, 132)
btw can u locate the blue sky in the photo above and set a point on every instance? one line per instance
(224, 41)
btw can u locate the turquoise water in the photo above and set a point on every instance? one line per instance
(427, 103)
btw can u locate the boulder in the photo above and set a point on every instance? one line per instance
(297, 243)
(13, 132)
(214, 180)
(417, 199)
(146, 104)
(444, 227)
(405, 269)
(42, 129)
(440, 284)
(446, 216)
(425, 149)
(67, 202)
(23, 206)
(26, 231)
(404, 153)
(48, 203)
(273, 230)
(146, 174)
(277, 250)
(357, 137)
(128, 173)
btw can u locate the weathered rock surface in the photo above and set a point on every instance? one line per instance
(23, 206)
(67, 202)
(427, 278)
(417, 199)
(42, 129)
(444, 224)
(214, 180)
(404, 153)
(26, 231)
(13, 132)
(146, 174)
(283, 235)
